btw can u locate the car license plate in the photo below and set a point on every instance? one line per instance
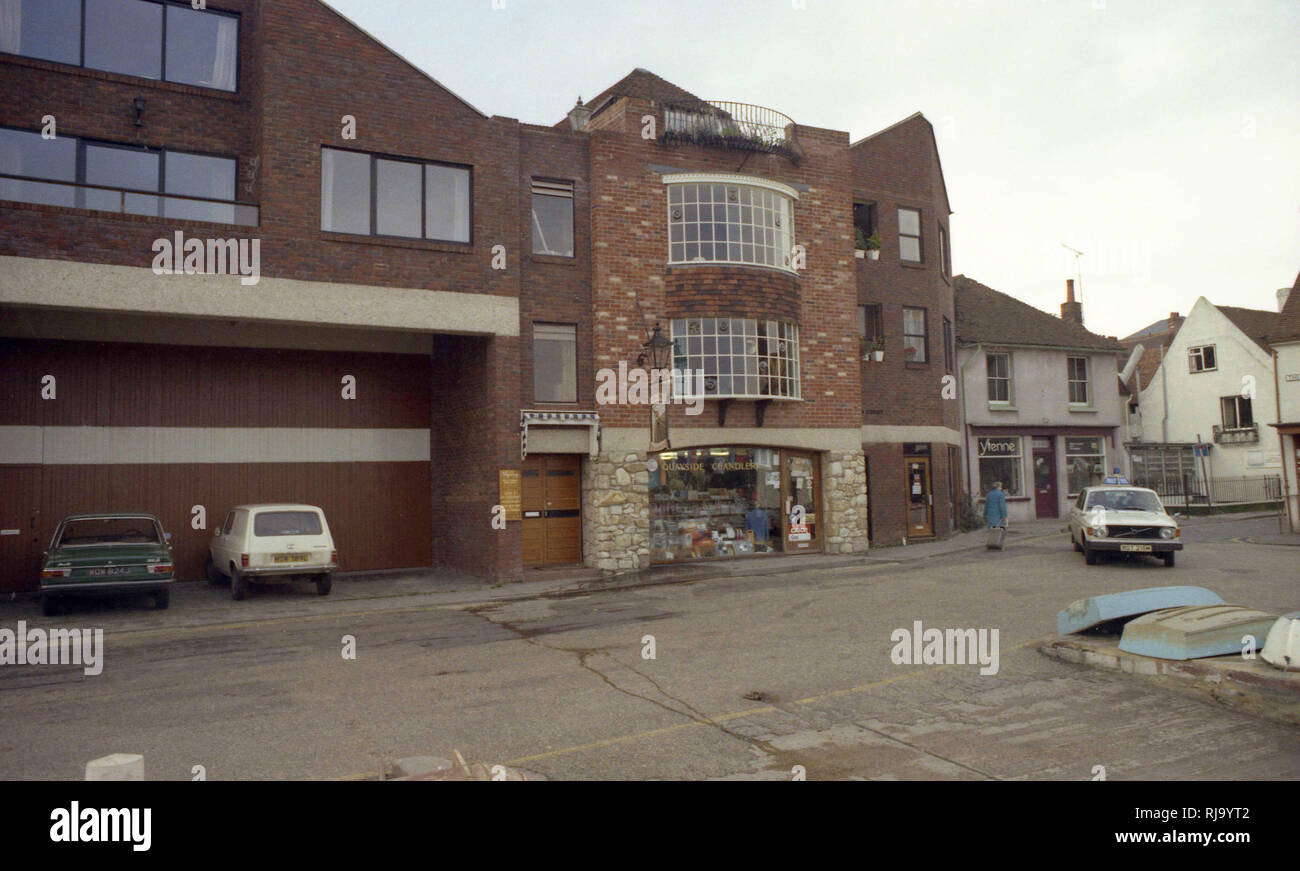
(109, 572)
(302, 557)
(1135, 548)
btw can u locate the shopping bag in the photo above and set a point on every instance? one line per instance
(997, 537)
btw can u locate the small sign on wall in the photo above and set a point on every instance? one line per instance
(510, 492)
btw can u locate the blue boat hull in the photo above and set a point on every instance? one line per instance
(1092, 612)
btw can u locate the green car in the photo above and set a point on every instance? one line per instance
(93, 554)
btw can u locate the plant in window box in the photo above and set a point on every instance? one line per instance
(872, 245)
(871, 350)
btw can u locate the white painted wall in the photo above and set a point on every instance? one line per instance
(1179, 404)
(1288, 397)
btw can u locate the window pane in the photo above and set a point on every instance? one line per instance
(25, 153)
(45, 29)
(127, 168)
(345, 191)
(124, 36)
(909, 222)
(555, 363)
(197, 175)
(909, 248)
(553, 225)
(397, 201)
(202, 48)
(447, 203)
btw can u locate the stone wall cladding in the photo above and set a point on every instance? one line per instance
(616, 512)
(844, 483)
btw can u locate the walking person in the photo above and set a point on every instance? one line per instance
(995, 515)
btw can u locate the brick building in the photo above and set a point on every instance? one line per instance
(248, 253)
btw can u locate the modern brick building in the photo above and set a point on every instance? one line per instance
(247, 253)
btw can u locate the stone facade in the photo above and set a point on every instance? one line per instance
(616, 512)
(844, 477)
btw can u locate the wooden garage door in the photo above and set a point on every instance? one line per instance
(20, 546)
(552, 501)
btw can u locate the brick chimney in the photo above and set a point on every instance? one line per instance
(1071, 311)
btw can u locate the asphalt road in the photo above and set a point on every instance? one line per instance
(752, 676)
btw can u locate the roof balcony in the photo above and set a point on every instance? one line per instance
(740, 126)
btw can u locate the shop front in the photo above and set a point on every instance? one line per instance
(732, 502)
(1041, 470)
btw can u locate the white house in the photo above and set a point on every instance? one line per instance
(1286, 345)
(1040, 400)
(1214, 386)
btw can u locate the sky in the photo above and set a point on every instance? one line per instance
(1161, 139)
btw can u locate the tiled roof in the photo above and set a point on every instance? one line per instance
(987, 316)
(1288, 328)
(1258, 324)
(645, 85)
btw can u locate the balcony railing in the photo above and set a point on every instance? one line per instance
(123, 202)
(722, 124)
(1237, 435)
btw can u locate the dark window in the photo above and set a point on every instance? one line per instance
(947, 345)
(553, 218)
(916, 345)
(864, 222)
(271, 523)
(871, 325)
(909, 235)
(397, 198)
(202, 48)
(1237, 412)
(1201, 359)
(44, 29)
(1077, 372)
(943, 252)
(999, 377)
(125, 36)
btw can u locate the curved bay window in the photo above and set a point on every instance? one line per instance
(741, 358)
(721, 219)
(728, 501)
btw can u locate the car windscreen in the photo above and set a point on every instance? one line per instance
(269, 523)
(1125, 500)
(109, 530)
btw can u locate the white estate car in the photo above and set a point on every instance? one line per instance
(272, 544)
(1117, 518)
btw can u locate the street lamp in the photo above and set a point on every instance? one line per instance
(658, 348)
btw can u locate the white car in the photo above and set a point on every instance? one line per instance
(1117, 518)
(273, 544)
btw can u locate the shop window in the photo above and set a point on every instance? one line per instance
(1085, 461)
(553, 218)
(741, 358)
(909, 235)
(555, 362)
(999, 377)
(1000, 460)
(1077, 374)
(916, 342)
(715, 502)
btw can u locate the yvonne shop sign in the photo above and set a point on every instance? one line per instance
(1003, 446)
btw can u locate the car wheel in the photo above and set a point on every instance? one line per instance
(323, 584)
(49, 606)
(238, 585)
(162, 599)
(214, 576)
(1089, 556)
(1169, 560)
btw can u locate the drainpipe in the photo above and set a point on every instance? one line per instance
(1281, 446)
(1164, 390)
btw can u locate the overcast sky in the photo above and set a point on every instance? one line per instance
(1159, 137)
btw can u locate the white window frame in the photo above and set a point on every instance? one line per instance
(786, 365)
(989, 378)
(1086, 381)
(1196, 359)
(783, 247)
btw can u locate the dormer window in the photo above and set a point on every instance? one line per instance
(730, 219)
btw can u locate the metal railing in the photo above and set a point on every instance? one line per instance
(1237, 435)
(98, 198)
(723, 124)
(1188, 490)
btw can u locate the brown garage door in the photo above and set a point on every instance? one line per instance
(552, 501)
(20, 546)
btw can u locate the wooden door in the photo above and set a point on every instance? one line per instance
(20, 545)
(800, 483)
(1046, 503)
(920, 498)
(552, 509)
